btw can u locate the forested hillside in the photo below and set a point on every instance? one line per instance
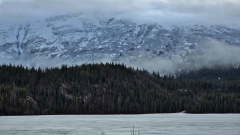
(115, 89)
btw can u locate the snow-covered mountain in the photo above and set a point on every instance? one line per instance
(75, 37)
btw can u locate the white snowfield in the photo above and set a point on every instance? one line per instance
(149, 124)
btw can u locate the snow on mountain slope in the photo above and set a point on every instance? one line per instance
(76, 38)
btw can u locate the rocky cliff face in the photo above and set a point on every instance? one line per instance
(73, 38)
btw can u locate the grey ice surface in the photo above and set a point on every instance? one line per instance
(148, 124)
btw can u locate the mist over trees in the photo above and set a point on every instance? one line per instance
(115, 89)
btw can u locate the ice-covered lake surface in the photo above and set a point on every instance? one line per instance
(147, 124)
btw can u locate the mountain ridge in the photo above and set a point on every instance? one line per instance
(81, 38)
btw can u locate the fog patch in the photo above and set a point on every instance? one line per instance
(156, 64)
(209, 54)
(214, 53)
(35, 62)
(46, 62)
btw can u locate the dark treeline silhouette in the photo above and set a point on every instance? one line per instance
(115, 89)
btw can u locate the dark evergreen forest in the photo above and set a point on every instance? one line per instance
(116, 89)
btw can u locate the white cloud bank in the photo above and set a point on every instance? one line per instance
(210, 54)
(170, 11)
(215, 53)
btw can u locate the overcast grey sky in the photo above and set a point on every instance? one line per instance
(174, 11)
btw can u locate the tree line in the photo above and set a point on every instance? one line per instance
(116, 89)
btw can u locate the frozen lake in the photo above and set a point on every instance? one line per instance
(148, 124)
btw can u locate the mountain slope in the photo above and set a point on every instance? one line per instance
(75, 37)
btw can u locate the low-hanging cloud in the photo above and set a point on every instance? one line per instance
(167, 11)
(210, 54)
(214, 53)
